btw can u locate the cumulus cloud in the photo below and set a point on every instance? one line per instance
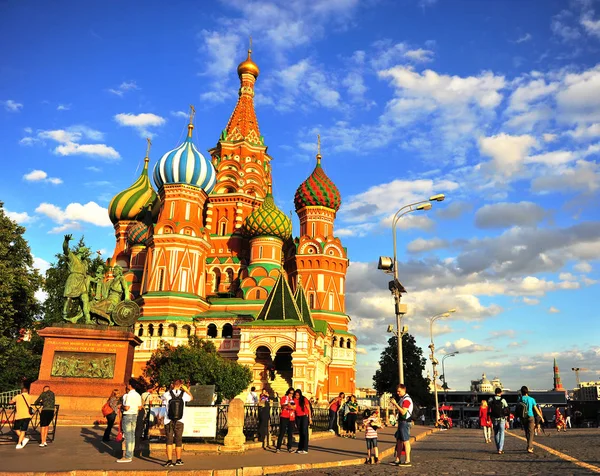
(41, 176)
(74, 213)
(583, 176)
(22, 218)
(465, 346)
(506, 215)
(142, 122)
(12, 106)
(420, 245)
(553, 310)
(69, 141)
(453, 210)
(507, 152)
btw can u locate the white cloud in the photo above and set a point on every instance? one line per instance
(523, 96)
(579, 99)
(553, 310)
(524, 38)
(22, 218)
(420, 245)
(123, 88)
(63, 107)
(90, 212)
(223, 51)
(550, 137)
(419, 55)
(181, 114)
(507, 152)
(586, 132)
(583, 176)
(41, 264)
(141, 122)
(98, 150)
(12, 106)
(465, 346)
(583, 267)
(69, 140)
(561, 29)
(592, 27)
(531, 301)
(41, 176)
(551, 159)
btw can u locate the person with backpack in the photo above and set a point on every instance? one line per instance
(498, 411)
(174, 401)
(525, 412)
(405, 406)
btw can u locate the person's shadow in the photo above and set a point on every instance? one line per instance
(93, 437)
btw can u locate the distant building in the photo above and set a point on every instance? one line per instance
(557, 383)
(587, 392)
(483, 385)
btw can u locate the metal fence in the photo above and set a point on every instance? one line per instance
(7, 420)
(6, 397)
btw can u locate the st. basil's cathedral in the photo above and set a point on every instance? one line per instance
(210, 254)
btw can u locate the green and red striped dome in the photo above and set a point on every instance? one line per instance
(138, 234)
(318, 191)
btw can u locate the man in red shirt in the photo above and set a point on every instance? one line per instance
(404, 404)
(334, 407)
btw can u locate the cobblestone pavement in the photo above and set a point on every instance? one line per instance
(463, 452)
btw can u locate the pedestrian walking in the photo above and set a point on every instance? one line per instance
(485, 422)
(303, 420)
(264, 414)
(131, 405)
(371, 424)
(174, 401)
(404, 405)
(287, 418)
(560, 421)
(568, 414)
(352, 416)
(47, 401)
(498, 410)
(111, 404)
(23, 413)
(528, 408)
(334, 408)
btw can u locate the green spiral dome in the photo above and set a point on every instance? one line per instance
(268, 220)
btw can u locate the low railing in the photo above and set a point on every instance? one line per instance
(7, 420)
(6, 397)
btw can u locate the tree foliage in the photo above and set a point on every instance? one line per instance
(198, 363)
(19, 280)
(54, 284)
(19, 363)
(386, 377)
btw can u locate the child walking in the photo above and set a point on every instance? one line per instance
(371, 423)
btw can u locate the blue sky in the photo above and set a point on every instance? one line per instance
(495, 104)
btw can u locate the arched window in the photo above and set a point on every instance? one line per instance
(348, 343)
(160, 330)
(141, 330)
(341, 342)
(187, 330)
(311, 300)
(223, 228)
(212, 331)
(150, 330)
(172, 330)
(260, 252)
(227, 331)
(334, 342)
(161, 278)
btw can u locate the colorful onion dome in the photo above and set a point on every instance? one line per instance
(248, 66)
(133, 202)
(138, 234)
(318, 191)
(185, 165)
(268, 220)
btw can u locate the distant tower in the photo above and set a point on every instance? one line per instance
(557, 384)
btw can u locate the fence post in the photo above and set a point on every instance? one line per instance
(235, 425)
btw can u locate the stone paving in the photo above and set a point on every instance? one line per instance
(463, 452)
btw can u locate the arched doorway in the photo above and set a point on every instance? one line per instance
(283, 363)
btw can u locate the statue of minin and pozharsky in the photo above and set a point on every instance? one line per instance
(101, 301)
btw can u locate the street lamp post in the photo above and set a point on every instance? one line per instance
(451, 354)
(391, 265)
(434, 361)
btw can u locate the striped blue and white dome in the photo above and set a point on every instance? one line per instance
(186, 165)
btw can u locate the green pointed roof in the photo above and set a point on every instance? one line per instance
(303, 306)
(280, 305)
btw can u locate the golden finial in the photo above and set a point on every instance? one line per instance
(318, 149)
(191, 124)
(250, 46)
(270, 188)
(147, 159)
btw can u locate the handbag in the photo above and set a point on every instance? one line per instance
(106, 409)
(31, 411)
(119, 437)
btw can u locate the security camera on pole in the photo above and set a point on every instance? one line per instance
(390, 265)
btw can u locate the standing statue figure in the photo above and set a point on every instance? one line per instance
(100, 290)
(118, 291)
(77, 283)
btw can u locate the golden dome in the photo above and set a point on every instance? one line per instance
(248, 66)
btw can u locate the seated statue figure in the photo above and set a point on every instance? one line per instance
(118, 290)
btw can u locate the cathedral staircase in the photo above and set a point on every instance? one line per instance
(283, 381)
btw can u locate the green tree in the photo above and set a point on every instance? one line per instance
(386, 377)
(199, 363)
(19, 363)
(19, 280)
(54, 284)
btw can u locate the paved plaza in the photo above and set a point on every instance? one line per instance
(79, 451)
(462, 451)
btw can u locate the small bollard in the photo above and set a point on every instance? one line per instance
(235, 423)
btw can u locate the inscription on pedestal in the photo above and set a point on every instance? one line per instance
(83, 365)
